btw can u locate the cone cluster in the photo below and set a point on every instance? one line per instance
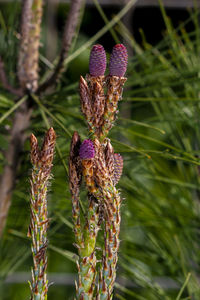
(100, 94)
(94, 160)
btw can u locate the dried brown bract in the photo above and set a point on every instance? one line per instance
(113, 96)
(93, 101)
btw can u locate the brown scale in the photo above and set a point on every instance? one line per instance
(85, 99)
(101, 173)
(87, 168)
(101, 213)
(40, 255)
(48, 149)
(35, 152)
(93, 101)
(114, 92)
(98, 100)
(109, 158)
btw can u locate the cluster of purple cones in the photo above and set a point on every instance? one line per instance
(117, 65)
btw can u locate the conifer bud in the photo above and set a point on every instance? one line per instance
(87, 150)
(97, 63)
(118, 60)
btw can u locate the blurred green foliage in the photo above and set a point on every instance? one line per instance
(157, 133)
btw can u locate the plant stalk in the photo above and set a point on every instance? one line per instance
(41, 171)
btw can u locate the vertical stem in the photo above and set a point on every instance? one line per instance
(85, 236)
(29, 45)
(101, 168)
(42, 164)
(112, 230)
(87, 256)
(112, 204)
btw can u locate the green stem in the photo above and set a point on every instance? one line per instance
(38, 228)
(111, 236)
(41, 171)
(87, 256)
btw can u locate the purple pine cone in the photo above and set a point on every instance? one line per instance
(97, 64)
(87, 150)
(118, 60)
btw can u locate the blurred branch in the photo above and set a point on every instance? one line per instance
(5, 83)
(52, 30)
(69, 32)
(140, 3)
(28, 77)
(28, 68)
(12, 155)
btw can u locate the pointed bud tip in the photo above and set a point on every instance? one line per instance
(97, 62)
(33, 141)
(75, 137)
(51, 133)
(33, 137)
(87, 150)
(118, 60)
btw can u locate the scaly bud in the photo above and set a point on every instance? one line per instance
(48, 146)
(87, 150)
(109, 158)
(35, 152)
(118, 167)
(118, 60)
(97, 63)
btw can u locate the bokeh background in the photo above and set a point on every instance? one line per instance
(157, 133)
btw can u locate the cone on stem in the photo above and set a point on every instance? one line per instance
(97, 62)
(118, 61)
(101, 169)
(115, 82)
(81, 163)
(92, 90)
